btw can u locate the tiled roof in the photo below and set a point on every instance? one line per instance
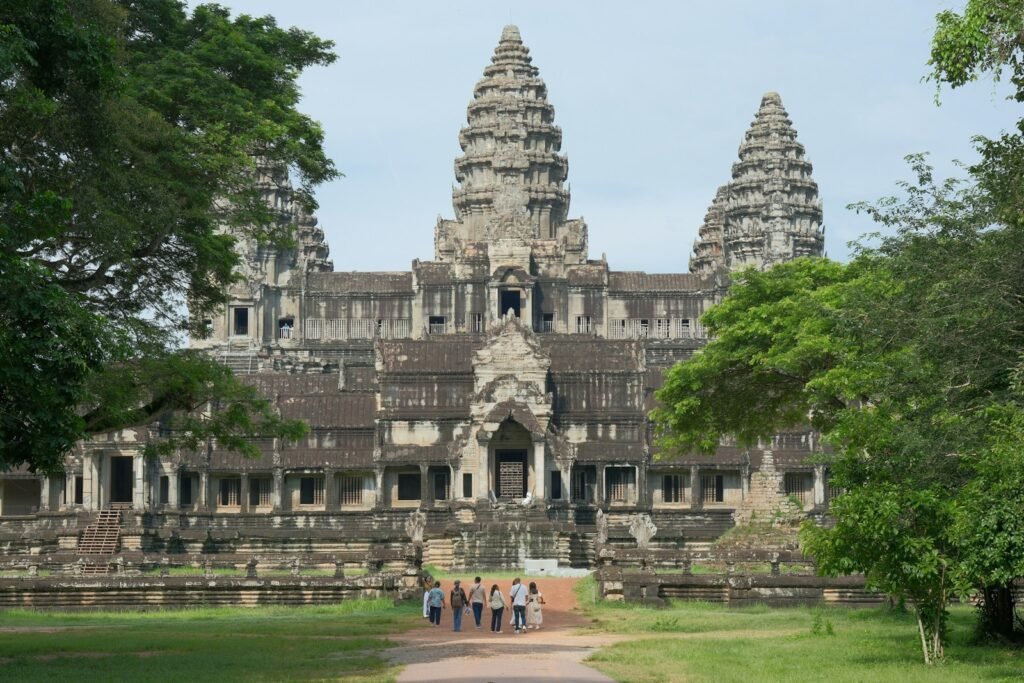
(356, 282)
(636, 281)
(339, 410)
(430, 355)
(575, 353)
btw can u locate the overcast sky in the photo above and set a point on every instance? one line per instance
(653, 99)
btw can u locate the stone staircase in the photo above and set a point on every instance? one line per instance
(239, 362)
(100, 539)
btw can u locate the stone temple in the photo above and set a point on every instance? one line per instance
(489, 404)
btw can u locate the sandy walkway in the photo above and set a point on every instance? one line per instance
(553, 653)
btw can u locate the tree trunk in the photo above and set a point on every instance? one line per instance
(997, 613)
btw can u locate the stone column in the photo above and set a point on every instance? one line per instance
(819, 486)
(539, 471)
(641, 486)
(745, 482)
(69, 491)
(599, 490)
(378, 493)
(204, 490)
(44, 494)
(276, 495)
(173, 488)
(243, 493)
(424, 486)
(330, 489)
(696, 502)
(138, 483)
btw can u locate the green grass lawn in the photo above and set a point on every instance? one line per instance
(702, 642)
(337, 642)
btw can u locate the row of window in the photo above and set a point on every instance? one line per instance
(401, 328)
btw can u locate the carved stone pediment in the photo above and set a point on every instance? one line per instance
(511, 350)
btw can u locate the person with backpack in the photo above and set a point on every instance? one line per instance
(435, 600)
(459, 604)
(476, 600)
(497, 608)
(518, 597)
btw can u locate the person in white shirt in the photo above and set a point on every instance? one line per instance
(518, 597)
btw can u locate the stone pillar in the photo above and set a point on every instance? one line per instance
(330, 489)
(599, 490)
(378, 493)
(139, 483)
(173, 488)
(44, 494)
(69, 491)
(276, 495)
(696, 502)
(819, 486)
(563, 473)
(243, 493)
(642, 493)
(424, 486)
(539, 471)
(745, 482)
(204, 490)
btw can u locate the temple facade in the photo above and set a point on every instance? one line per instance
(490, 403)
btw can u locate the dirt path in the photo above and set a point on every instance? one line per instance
(554, 652)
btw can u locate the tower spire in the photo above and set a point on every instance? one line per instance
(510, 175)
(771, 211)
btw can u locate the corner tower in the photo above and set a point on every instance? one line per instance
(510, 176)
(770, 211)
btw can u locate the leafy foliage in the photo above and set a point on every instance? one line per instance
(130, 133)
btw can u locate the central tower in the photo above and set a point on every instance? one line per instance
(511, 191)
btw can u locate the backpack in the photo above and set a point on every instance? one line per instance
(458, 599)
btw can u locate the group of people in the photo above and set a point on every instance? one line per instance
(526, 602)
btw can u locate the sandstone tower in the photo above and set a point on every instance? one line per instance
(770, 211)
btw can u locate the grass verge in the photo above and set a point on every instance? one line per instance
(705, 642)
(337, 642)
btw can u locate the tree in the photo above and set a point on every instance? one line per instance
(130, 131)
(906, 360)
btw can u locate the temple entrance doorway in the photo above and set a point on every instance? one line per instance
(121, 479)
(510, 474)
(509, 299)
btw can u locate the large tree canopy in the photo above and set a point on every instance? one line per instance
(129, 136)
(909, 360)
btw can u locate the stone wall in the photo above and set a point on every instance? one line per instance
(141, 593)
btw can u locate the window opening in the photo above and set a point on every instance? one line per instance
(260, 491)
(311, 491)
(241, 322)
(467, 485)
(230, 492)
(442, 484)
(437, 324)
(556, 485)
(351, 489)
(673, 489)
(409, 486)
(712, 488)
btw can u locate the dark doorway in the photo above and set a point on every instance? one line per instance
(241, 322)
(508, 299)
(510, 474)
(121, 477)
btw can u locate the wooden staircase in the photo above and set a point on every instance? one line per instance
(100, 538)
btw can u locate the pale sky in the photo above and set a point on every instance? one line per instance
(653, 99)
